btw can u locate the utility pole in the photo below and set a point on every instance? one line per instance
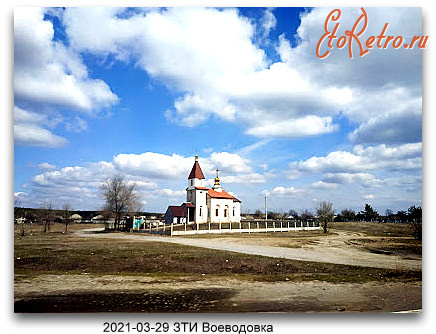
(266, 209)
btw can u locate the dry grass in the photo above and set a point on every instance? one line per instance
(58, 253)
(374, 229)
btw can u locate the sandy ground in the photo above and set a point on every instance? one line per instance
(217, 295)
(332, 249)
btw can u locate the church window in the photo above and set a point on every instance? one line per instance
(234, 208)
(200, 213)
(225, 212)
(216, 212)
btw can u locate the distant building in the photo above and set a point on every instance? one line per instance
(76, 217)
(203, 204)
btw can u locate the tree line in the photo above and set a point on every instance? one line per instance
(324, 212)
(121, 199)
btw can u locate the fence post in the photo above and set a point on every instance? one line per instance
(257, 223)
(209, 227)
(266, 226)
(274, 226)
(230, 224)
(240, 227)
(281, 226)
(185, 227)
(172, 227)
(249, 227)
(220, 226)
(149, 227)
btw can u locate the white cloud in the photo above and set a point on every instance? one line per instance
(368, 196)
(400, 157)
(230, 162)
(294, 128)
(324, 185)
(287, 192)
(179, 194)
(19, 195)
(155, 176)
(24, 116)
(46, 166)
(365, 179)
(30, 129)
(219, 72)
(175, 166)
(144, 185)
(385, 84)
(253, 147)
(210, 58)
(48, 73)
(243, 178)
(35, 135)
(76, 125)
(339, 69)
(266, 193)
(153, 165)
(268, 22)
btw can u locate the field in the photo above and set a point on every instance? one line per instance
(62, 272)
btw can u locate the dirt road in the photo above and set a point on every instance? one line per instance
(332, 249)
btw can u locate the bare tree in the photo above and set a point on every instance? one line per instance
(46, 215)
(120, 197)
(66, 213)
(306, 215)
(325, 213)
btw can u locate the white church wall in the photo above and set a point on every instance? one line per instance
(221, 210)
(200, 206)
(236, 212)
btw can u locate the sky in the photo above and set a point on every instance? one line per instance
(140, 91)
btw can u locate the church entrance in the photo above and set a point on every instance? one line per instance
(191, 214)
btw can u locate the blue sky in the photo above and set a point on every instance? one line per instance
(139, 92)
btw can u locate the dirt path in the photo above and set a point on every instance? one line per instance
(332, 249)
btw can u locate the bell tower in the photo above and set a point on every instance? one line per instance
(196, 192)
(196, 177)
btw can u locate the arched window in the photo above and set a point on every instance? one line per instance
(217, 210)
(226, 210)
(234, 211)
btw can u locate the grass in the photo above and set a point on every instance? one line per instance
(57, 253)
(397, 246)
(374, 229)
(292, 239)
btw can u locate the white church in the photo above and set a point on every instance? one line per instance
(203, 204)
